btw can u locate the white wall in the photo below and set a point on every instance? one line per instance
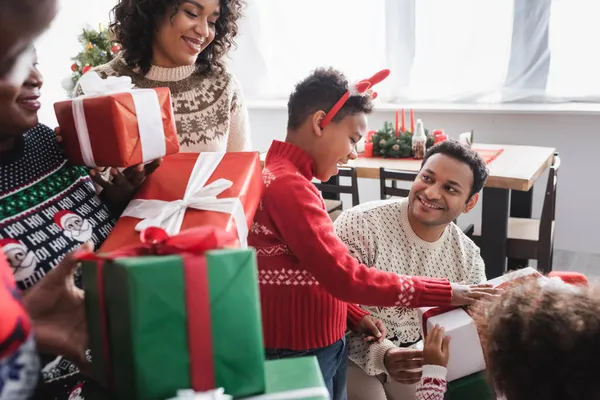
(574, 136)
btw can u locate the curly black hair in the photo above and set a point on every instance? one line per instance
(319, 92)
(542, 342)
(134, 23)
(462, 153)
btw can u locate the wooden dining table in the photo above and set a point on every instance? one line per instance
(508, 192)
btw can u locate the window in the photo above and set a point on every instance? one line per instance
(465, 51)
(575, 66)
(461, 49)
(294, 37)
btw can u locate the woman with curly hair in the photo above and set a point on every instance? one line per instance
(181, 44)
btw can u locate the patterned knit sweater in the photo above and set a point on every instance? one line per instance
(306, 274)
(47, 209)
(379, 234)
(432, 385)
(210, 113)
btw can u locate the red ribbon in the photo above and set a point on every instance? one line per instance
(191, 245)
(432, 312)
(198, 312)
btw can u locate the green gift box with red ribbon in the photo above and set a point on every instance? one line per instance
(175, 312)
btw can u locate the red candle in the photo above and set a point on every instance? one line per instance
(412, 121)
(368, 149)
(403, 128)
(396, 122)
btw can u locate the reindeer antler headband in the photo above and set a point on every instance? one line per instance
(361, 88)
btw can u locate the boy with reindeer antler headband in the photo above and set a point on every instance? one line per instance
(309, 282)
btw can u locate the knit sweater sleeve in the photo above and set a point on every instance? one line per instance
(307, 230)
(239, 130)
(433, 383)
(369, 357)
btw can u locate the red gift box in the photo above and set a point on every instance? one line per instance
(118, 129)
(190, 190)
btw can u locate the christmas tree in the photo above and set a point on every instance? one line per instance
(98, 48)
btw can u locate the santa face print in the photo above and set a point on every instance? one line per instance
(74, 223)
(77, 228)
(76, 393)
(22, 261)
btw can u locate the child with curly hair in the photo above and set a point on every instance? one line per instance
(541, 341)
(181, 44)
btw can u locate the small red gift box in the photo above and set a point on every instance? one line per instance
(190, 190)
(118, 129)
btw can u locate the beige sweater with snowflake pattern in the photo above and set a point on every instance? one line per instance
(210, 113)
(379, 235)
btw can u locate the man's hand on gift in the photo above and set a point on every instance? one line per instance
(468, 294)
(56, 308)
(435, 347)
(371, 329)
(404, 365)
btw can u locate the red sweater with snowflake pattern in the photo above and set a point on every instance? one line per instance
(307, 276)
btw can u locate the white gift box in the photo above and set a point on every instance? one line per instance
(466, 355)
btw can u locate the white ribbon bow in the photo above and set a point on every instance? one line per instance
(147, 108)
(169, 215)
(93, 85)
(218, 394)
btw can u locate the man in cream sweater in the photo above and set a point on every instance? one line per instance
(413, 236)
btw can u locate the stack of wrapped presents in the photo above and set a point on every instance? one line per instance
(172, 297)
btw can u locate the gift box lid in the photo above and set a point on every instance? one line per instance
(450, 320)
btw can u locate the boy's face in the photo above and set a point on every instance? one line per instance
(337, 143)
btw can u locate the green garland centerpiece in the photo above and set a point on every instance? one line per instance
(387, 145)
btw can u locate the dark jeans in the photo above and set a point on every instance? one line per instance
(333, 361)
